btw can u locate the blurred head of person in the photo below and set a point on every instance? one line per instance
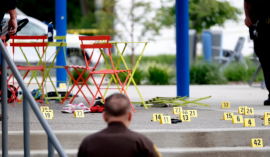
(117, 109)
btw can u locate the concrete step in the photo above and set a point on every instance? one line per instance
(215, 152)
(175, 152)
(162, 138)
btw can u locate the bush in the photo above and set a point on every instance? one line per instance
(158, 76)
(138, 76)
(235, 72)
(76, 76)
(205, 73)
(161, 59)
(238, 72)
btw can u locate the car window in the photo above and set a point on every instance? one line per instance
(32, 29)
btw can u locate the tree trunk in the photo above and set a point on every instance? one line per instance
(83, 7)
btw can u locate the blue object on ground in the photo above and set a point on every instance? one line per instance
(207, 46)
(34, 92)
(182, 47)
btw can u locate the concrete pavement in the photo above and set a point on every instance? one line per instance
(206, 135)
(208, 117)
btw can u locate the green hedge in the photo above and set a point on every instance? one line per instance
(204, 73)
(160, 70)
(160, 59)
(239, 72)
(76, 76)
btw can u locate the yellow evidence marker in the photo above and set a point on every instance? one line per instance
(184, 112)
(237, 119)
(267, 121)
(192, 113)
(256, 142)
(165, 120)
(249, 122)
(62, 85)
(225, 105)
(184, 117)
(227, 116)
(249, 111)
(44, 108)
(241, 109)
(78, 113)
(51, 111)
(157, 116)
(266, 114)
(48, 115)
(177, 110)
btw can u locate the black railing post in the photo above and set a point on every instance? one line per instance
(26, 127)
(50, 148)
(4, 107)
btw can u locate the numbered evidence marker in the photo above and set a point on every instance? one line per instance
(241, 109)
(183, 112)
(225, 105)
(267, 121)
(165, 120)
(266, 114)
(227, 116)
(78, 113)
(44, 108)
(256, 142)
(192, 113)
(48, 114)
(184, 117)
(177, 110)
(50, 111)
(62, 85)
(249, 122)
(237, 119)
(249, 111)
(157, 116)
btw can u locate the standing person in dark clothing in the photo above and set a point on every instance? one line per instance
(258, 20)
(117, 140)
(10, 6)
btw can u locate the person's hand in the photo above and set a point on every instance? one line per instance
(12, 26)
(248, 22)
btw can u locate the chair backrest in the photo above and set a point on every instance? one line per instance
(28, 44)
(239, 46)
(40, 44)
(94, 45)
(3, 37)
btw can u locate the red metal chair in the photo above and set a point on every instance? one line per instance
(29, 67)
(76, 82)
(112, 71)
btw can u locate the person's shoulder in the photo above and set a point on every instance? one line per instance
(141, 137)
(93, 136)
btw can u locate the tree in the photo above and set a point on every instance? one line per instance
(105, 18)
(137, 16)
(80, 14)
(202, 14)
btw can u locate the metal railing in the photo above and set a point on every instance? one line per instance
(28, 99)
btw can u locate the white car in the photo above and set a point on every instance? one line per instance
(75, 54)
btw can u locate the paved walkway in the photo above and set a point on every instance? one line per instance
(208, 117)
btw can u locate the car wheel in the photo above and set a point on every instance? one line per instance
(75, 56)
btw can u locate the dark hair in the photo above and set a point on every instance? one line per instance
(117, 104)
